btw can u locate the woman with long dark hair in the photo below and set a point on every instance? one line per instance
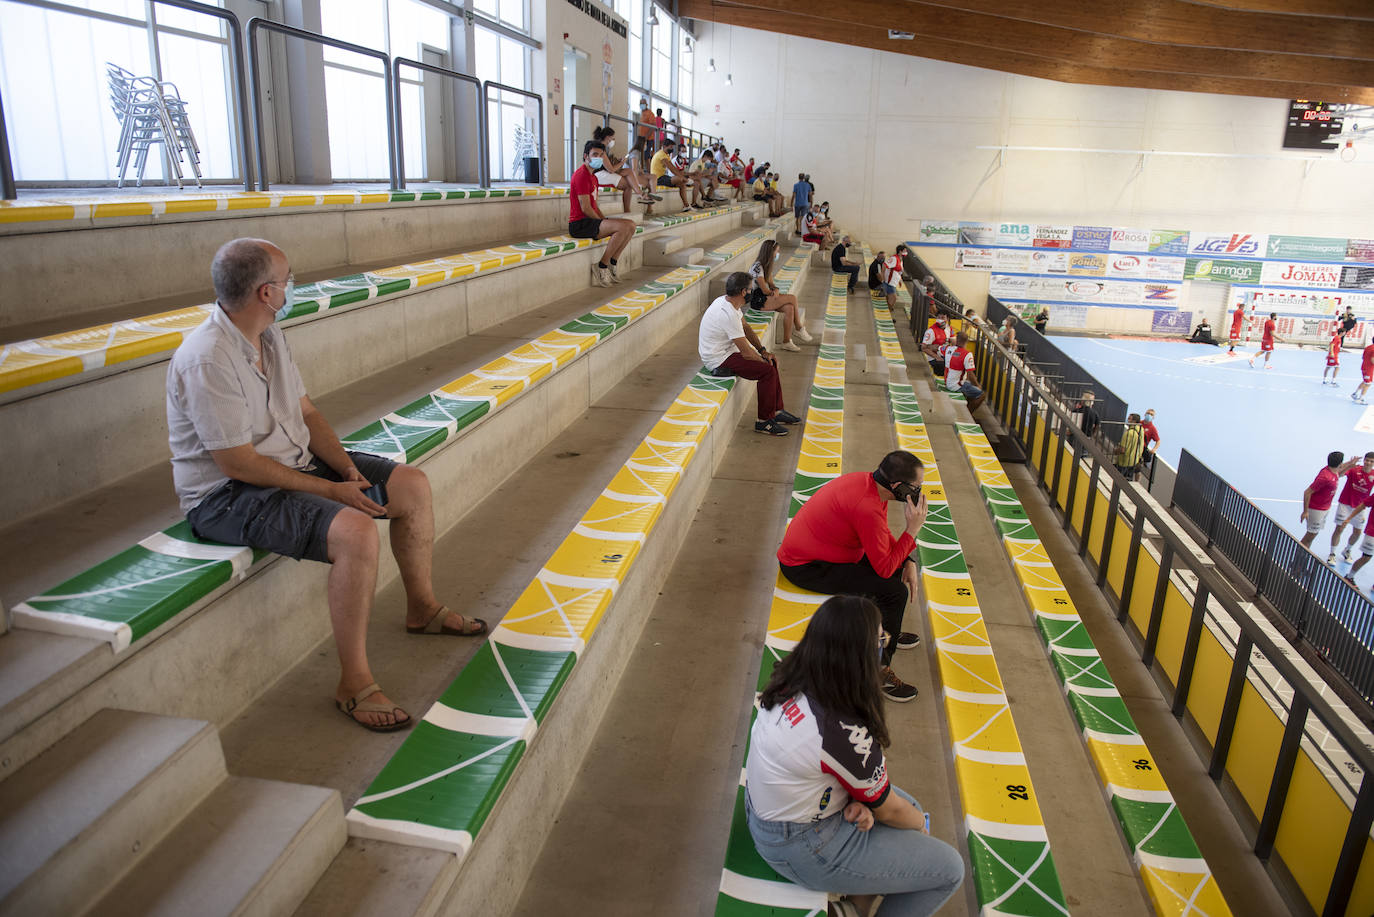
(818, 802)
(766, 297)
(624, 171)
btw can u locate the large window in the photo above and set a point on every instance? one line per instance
(661, 69)
(512, 119)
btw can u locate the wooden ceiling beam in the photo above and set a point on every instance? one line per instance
(1022, 62)
(1072, 46)
(1335, 9)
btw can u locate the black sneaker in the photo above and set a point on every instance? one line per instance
(896, 689)
(908, 641)
(771, 427)
(787, 417)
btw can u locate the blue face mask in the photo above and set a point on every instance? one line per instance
(288, 300)
(596, 162)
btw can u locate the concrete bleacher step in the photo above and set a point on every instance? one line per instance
(252, 847)
(96, 803)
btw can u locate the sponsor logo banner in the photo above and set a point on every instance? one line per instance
(1170, 322)
(1088, 265)
(938, 232)
(1359, 250)
(1049, 262)
(1130, 240)
(973, 259)
(1300, 302)
(1124, 293)
(1084, 290)
(1318, 247)
(1050, 235)
(1125, 266)
(1357, 277)
(1161, 293)
(1014, 234)
(1011, 260)
(1168, 242)
(1219, 271)
(977, 233)
(1092, 238)
(1298, 274)
(1069, 316)
(1001, 285)
(1164, 268)
(1220, 243)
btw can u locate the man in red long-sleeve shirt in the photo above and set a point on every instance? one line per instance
(839, 544)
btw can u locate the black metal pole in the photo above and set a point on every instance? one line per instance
(7, 189)
(1283, 776)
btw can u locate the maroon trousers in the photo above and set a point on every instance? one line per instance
(766, 374)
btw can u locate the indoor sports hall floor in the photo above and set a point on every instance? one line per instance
(1267, 432)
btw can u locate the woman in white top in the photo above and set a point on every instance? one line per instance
(818, 802)
(766, 298)
(622, 173)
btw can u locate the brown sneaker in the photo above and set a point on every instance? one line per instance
(896, 689)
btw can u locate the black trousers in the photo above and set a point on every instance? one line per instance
(852, 270)
(888, 593)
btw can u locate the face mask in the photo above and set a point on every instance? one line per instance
(288, 302)
(595, 163)
(610, 144)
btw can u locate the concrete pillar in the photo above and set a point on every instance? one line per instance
(309, 115)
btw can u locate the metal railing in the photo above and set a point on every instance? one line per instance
(575, 158)
(396, 65)
(1321, 605)
(487, 87)
(258, 24)
(1031, 410)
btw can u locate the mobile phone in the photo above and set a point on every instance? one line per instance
(927, 823)
(376, 495)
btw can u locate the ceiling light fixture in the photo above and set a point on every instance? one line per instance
(711, 65)
(653, 14)
(728, 80)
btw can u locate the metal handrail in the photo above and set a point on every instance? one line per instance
(486, 101)
(573, 159)
(396, 64)
(258, 24)
(1307, 699)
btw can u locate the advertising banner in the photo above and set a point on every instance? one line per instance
(1084, 290)
(1163, 268)
(1357, 277)
(1018, 234)
(1003, 286)
(1124, 293)
(1085, 265)
(1310, 303)
(1092, 238)
(1011, 261)
(1125, 266)
(1298, 274)
(1222, 244)
(1359, 250)
(1171, 322)
(938, 232)
(977, 233)
(1222, 271)
(1049, 262)
(1130, 240)
(1051, 235)
(1168, 242)
(1318, 248)
(973, 259)
(1161, 294)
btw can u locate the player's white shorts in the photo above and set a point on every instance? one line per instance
(1367, 544)
(1316, 518)
(1344, 513)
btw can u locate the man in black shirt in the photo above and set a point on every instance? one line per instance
(1348, 321)
(842, 265)
(1090, 421)
(1042, 320)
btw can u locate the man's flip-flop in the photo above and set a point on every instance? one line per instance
(358, 704)
(435, 626)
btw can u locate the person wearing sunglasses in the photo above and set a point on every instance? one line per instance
(839, 543)
(820, 807)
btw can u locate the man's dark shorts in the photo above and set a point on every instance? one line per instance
(664, 181)
(282, 521)
(585, 228)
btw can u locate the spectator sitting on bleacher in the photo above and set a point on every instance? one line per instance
(841, 264)
(933, 345)
(890, 274)
(667, 174)
(839, 544)
(729, 347)
(254, 463)
(818, 801)
(875, 270)
(813, 233)
(1007, 335)
(623, 174)
(959, 375)
(765, 297)
(586, 221)
(703, 172)
(822, 213)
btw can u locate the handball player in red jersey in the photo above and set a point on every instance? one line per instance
(1236, 319)
(1333, 359)
(1319, 495)
(1350, 506)
(1366, 375)
(1267, 341)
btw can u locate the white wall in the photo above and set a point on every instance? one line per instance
(890, 139)
(553, 20)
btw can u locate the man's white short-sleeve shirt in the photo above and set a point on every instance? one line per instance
(721, 324)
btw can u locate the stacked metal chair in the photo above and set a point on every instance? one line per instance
(151, 112)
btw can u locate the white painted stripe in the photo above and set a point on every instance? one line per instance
(1005, 830)
(1058, 616)
(415, 421)
(577, 582)
(1136, 794)
(984, 756)
(1113, 738)
(412, 833)
(480, 724)
(632, 498)
(780, 643)
(1194, 865)
(1075, 650)
(939, 574)
(666, 466)
(800, 598)
(240, 558)
(1092, 692)
(770, 893)
(123, 586)
(602, 535)
(523, 641)
(116, 633)
(437, 775)
(996, 699)
(956, 609)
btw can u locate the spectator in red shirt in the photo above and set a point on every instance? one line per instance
(839, 544)
(586, 221)
(1151, 437)
(1317, 498)
(1350, 506)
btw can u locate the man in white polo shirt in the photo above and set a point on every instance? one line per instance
(729, 347)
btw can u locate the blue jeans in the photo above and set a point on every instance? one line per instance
(914, 872)
(969, 390)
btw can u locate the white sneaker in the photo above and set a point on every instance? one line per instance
(601, 277)
(615, 273)
(789, 345)
(805, 336)
(1346, 553)
(1331, 558)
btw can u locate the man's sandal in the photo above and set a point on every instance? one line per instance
(358, 704)
(435, 626)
